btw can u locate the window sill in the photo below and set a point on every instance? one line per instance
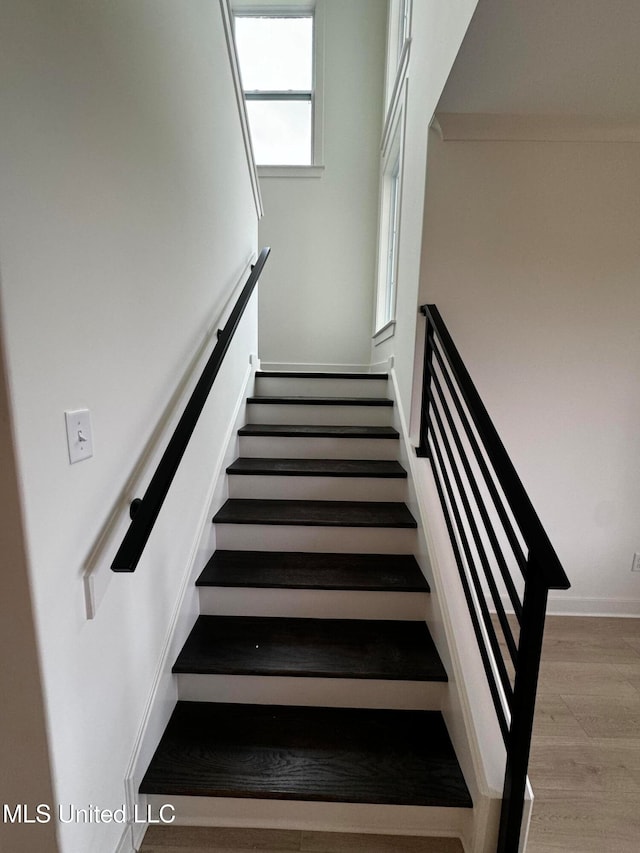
(387, 331)
(290, 171)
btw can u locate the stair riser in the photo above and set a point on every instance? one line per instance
(264, 447)
(313, 603)
(318, 692)
(330, 817)
(286, 413)
(347, 540)
(299, 387)
(316, 488)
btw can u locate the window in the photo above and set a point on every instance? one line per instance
(398, 40)
(389, 229)
(403, 24)
(392, 241)
(276, 55)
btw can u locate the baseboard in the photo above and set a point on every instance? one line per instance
(126, 842)
(132, 838)
(569, 606)
(563, 605)
(308, 367)
(163, 693)
(138, 832)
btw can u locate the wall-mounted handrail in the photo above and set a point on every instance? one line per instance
(144, 511)
(492, 525)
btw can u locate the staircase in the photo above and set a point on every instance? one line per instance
(310, 688)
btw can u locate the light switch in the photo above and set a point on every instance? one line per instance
(79, 437)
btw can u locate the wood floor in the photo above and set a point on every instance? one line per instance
(585, 760)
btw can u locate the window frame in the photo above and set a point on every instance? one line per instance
(390, 221)
(295, 9)
(393, 237)
(398, 41)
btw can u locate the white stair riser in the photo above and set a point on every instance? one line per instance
(266, 447)
(317, 692)
(300, 387)
(329, 817)
(313, 603)
(317, 488)
(284, 413)
(346, 540)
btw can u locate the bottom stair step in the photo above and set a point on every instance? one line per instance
(344, 755)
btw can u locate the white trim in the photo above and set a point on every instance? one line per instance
(381, 366)
(561, 604)
(292, 8)
(290, 171)
(392, 108)
(383, 334)
(163, 693)
(395, 53)
(392, 151)
(139, 830)
(125, 845)
(565, 605)
(361, 818)
(132, 837)
(97, 574)
(527, 814)
(308, 367)
(486, 811)
(482, 127)
(317, 111)
(311, 691)
(227, 21)
(439, 591)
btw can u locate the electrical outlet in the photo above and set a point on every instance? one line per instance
(635, 565)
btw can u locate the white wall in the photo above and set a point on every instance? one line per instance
(25, 773)
(531, 253)
(126, 214)
(316, 302)
(437, 30)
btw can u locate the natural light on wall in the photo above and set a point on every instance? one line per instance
(276, 63)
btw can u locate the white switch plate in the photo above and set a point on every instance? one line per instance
(635, 565)
(79, 435)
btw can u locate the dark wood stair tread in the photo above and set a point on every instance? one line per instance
(320, 401)
(382, 468)
(315, 513)
(299, 570)
(316, 754)
(294, 374)
(321, 648)
(309, 431)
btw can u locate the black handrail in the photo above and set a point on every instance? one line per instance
(144, 511)
(461, 442)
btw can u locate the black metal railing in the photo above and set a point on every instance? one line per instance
(503, 554)
(144, 511)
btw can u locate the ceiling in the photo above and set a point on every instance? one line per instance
(549, 57)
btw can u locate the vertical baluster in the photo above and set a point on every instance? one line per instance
(423, 448)
(523, 707)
